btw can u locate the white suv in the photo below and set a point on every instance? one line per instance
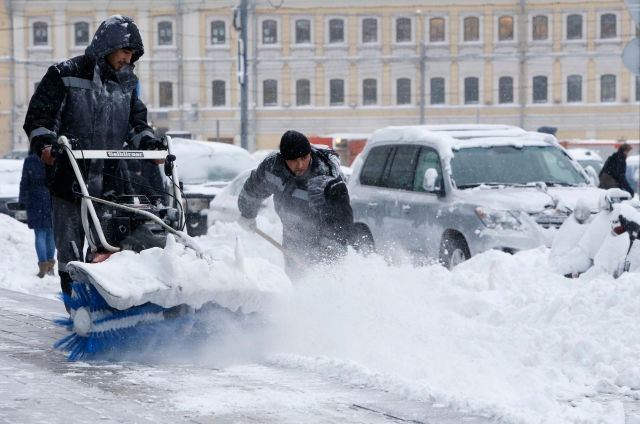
(446, 193)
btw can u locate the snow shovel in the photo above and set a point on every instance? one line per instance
(278, 246)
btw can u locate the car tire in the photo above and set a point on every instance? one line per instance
(453, 250)
(362, 240)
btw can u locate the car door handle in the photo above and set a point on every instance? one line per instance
(406, 208)
(372, 205)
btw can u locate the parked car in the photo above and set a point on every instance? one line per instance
(224, 207)
(205, 168)
(10, 175)
(447, 193)
(16, 154)
(588, 158)
(260, 155)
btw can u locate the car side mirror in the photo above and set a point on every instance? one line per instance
(430, 179)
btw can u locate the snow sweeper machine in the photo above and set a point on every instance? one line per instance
(144, 281)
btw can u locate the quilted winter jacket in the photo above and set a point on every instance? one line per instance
(85, 99)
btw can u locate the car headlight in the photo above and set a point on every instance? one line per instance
(501, 220)
(197, 204)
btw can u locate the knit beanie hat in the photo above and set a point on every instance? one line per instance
(294, 145)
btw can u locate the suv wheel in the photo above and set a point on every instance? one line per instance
(362, 240)
(453, 251)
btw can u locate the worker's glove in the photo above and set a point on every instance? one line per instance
(629, 226)
(247, 224)
(152, 143)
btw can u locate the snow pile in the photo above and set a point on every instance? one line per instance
(500, 335)
(19, 263)
(175, 275)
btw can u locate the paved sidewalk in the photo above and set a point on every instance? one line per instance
(38, 385)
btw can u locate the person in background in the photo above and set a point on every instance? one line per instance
(37, 200)
(613, 173)
(310, 197)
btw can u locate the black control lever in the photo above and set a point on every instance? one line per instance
(168, 165)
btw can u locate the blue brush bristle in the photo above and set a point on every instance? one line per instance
(121, 335)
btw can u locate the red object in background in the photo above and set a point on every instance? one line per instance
(348, 146)
(101, 257)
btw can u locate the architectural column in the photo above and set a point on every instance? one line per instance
(191, 39)
(353, 85)
(320, 94)
(387, 84)
(557, 29)
(489, 95)
(557, 82)
(287, 97)
(591, 82)
(453, 84)
(319, 36)
(143, 66)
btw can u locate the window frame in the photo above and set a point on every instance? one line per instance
(330, 92)
(165, 84)
(363, 23)
(263, 24)
(501, 86)
(546, 89)
(298, 92)
(444, 29)
(213, 93)
(160, 41)
(569, 83)
(369, 86)
(298, 31)
(568, 27)
(265, 82)
(534, 28)
(466, 19)
(396, 22)
(344, 38)
(75, 33)
(499, 29)
(37, 39)
(211, 31)
(398, 94)
(466, 94)
(614, 97)
(601, 28)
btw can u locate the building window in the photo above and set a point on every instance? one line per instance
(505, 94)
(437, 91)
(81, 30)
(303, 92)
(270, 92)
(574, 88)
(165, 33)
(505, 28)
(218, 32)
(436, 29)
(471, 90)
(370, 31)
(608, 26)
(40, 34)
(540, 27)
(471, 29)
(608, 88)
(219, 93)
(574, 27)
(336, 92)
(166, 94)
(336, 31)
(403, 30)
(269, 32)
(369, 92)
(540, 89)
(303, 31)
(403, 91)
(637, 89)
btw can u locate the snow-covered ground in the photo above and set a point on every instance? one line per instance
(501, 335)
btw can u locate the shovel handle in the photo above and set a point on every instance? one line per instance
(278, 246)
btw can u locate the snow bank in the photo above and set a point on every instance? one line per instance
(19, 263)
(500, 335)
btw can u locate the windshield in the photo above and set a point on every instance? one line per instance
(220, 167)
(508, 165)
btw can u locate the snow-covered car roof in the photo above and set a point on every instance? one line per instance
(187, 147)
(580, 153)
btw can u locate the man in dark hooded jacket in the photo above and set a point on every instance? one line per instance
(613, 173)
(91, 99)
(310, 196)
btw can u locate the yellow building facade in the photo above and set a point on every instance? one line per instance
(355, 66)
